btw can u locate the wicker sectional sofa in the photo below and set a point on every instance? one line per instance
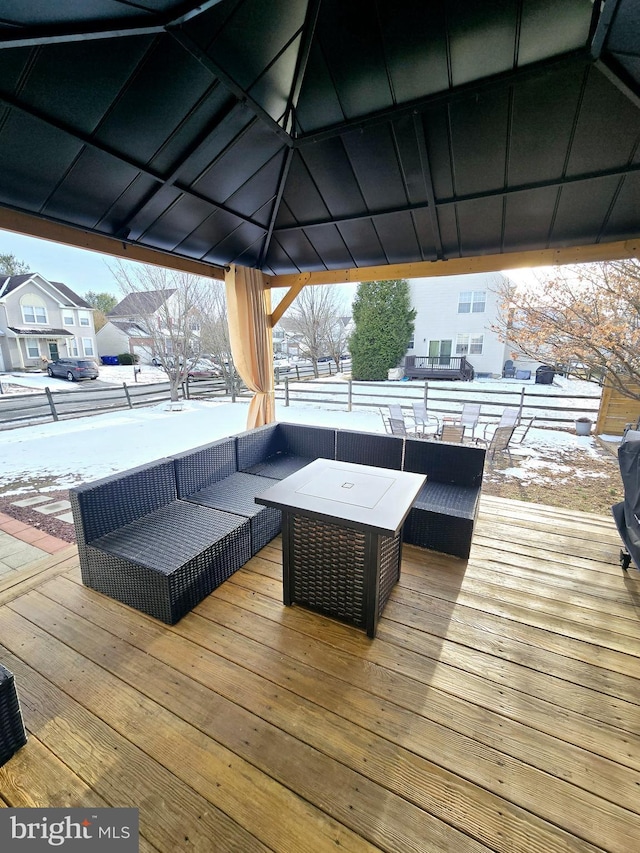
(162, 536)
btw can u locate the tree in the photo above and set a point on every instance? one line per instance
(103, 303)
(10, 265)
(588, 313)
(214, 335)
(173, 318)
(316, 319)
(384, 321)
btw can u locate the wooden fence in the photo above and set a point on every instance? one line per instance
(23, 409)
(617, 410)
(548, 409)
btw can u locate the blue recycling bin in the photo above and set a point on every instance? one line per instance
(109, 359)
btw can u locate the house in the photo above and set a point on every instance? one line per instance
(454, 318)
(127, 327)
(41, 321)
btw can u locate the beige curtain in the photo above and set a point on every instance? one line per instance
(249, 306)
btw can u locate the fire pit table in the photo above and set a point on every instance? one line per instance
(341, 536)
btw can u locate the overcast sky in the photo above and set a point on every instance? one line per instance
(82, 270)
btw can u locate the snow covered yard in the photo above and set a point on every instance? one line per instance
(550, 466)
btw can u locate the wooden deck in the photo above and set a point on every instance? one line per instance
(497, 709)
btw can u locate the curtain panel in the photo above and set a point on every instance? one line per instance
(249, 307)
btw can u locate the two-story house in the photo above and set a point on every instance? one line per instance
(128, 324)
(454, 318)
(41, 321)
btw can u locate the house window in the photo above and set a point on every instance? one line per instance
(469, 344)
(33, 310)
(67, 318)
(72, 346)
(33, 351)
(83, 317)
(412, 342)
(87, 346)
(472, 301)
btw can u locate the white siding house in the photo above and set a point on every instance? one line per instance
(454, 317)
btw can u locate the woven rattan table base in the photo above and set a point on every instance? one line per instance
(339, 571)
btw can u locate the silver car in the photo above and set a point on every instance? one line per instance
(73, 369)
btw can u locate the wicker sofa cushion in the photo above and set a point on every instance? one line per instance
(457, 501)
(169, 536)
(237, 494)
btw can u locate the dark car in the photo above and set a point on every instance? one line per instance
(73, 369)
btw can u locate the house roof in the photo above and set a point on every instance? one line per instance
(141, 303)
(12, 282)
(303, 135)
(40, 332)
(130, 329)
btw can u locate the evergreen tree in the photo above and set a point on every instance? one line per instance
(383, 319)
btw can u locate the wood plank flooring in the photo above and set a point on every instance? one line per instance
(497, 709)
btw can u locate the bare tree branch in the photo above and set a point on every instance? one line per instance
(588, 314)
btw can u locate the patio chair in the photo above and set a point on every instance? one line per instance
(397, 427)
(508, 371)
(510, 417)
(425, 424)
(467, 419)
(452, 432)
(500, 441)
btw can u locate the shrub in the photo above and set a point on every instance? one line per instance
(128, 358)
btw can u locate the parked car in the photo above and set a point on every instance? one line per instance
(73, 369)
(203, 369)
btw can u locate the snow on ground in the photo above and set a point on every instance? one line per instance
(25, 383)
(59, 455)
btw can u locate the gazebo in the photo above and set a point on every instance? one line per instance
(303, 142)
(316, 141)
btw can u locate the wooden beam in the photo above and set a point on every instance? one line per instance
(284, 303)
(57, 232)
(460, 266)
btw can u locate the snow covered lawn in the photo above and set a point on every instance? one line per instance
(59, 455)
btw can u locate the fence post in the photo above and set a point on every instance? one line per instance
(286, 390)
(426, 395)
(126, 392)
(349, 394)
(298, 372)
(54, 414)
(522, 393)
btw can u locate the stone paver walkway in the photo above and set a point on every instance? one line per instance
(21, 544)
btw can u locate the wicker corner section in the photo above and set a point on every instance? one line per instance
(12, 732)
(166, 563)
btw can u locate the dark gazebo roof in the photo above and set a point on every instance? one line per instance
(302, 135)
